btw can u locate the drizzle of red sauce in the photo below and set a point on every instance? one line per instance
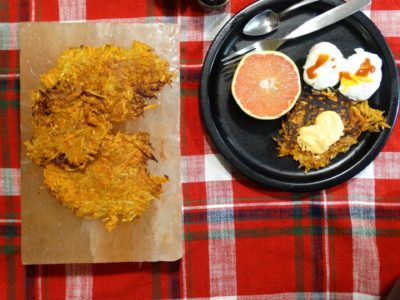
(365, 68)
(322, 58)
(345, 75)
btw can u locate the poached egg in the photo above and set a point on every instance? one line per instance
(323, 66)
(361, 75)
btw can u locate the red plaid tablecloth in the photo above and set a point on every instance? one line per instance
(241, 241)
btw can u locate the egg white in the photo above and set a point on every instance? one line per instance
(328, 74)
(362, 90)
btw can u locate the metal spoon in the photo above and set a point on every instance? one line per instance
(268, 20)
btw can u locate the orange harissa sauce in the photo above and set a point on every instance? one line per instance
(365, 68)
(322, 58)
(345, 75)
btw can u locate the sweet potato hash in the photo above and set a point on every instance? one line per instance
(92, 171)
(115, 187)
(108, 83)
(357, 117)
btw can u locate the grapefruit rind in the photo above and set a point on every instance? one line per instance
(266, 116)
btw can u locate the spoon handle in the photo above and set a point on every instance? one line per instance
(295, 6)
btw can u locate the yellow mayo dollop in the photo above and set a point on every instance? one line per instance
(318, 138)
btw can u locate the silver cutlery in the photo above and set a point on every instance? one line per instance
(321, 21)
(268, 20)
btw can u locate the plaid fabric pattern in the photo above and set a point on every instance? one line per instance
(241, 241)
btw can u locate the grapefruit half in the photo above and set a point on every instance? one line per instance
(266, 84)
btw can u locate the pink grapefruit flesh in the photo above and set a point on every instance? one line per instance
(266, 85)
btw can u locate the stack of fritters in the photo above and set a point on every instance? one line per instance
(357, 118)
(87, 90)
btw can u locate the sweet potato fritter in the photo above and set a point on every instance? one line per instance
(121, 80)
(70, 137)
(357, 118)
(115, 187)
(87, 89)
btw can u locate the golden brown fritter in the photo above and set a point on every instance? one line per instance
(357, 118)
(121, 80)
(70, 137)
(115, 187)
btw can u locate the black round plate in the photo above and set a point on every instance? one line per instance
(247, 143)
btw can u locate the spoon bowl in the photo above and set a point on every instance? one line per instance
(268, 20)
(262, 23)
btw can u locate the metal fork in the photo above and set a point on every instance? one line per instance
(327, 18)
(230, 62)
(234, 58)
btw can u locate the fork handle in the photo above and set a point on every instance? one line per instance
(329, 17)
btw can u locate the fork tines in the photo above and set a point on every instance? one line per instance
(236, 56)
(228, 71)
